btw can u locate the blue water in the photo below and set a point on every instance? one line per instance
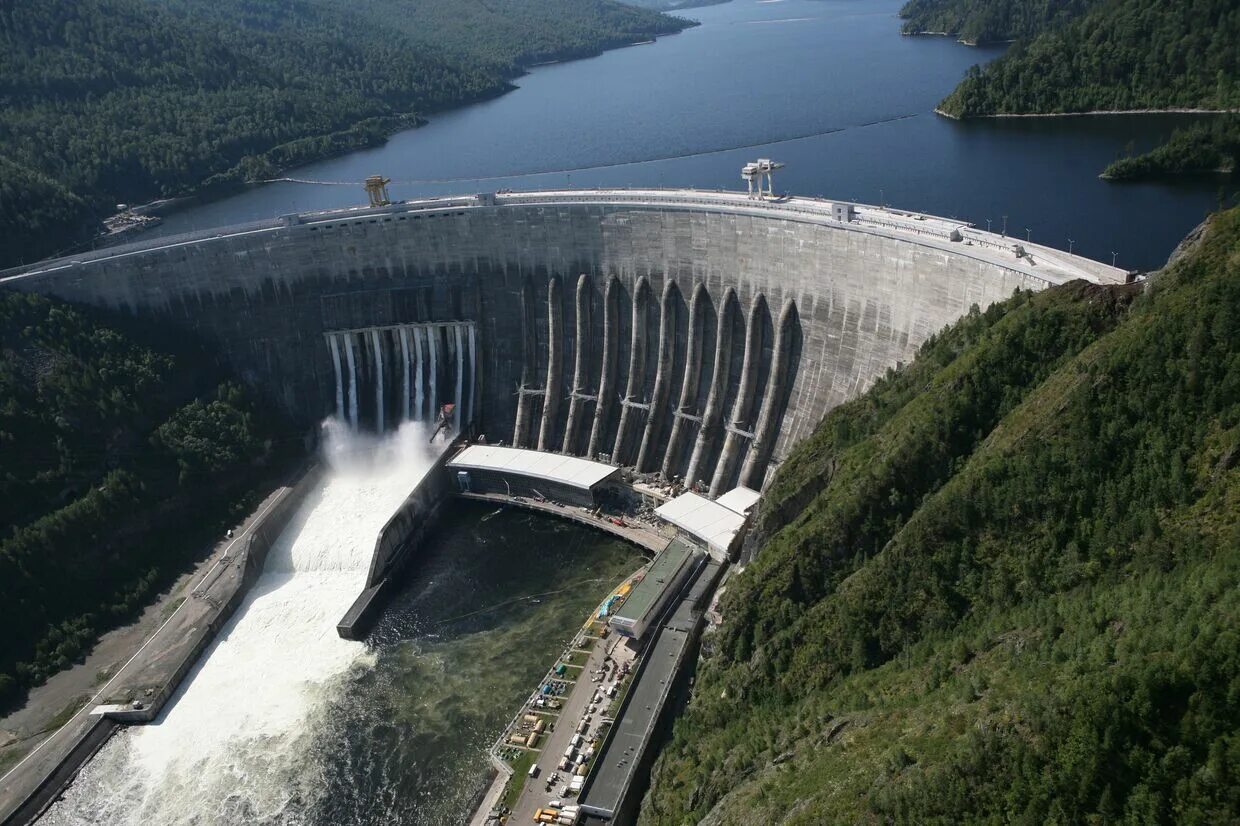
(827, 86)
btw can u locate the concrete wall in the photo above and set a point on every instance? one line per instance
(397, 544)
(677, 301)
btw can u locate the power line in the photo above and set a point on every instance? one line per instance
(615, 165)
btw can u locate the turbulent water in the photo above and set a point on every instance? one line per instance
(231, 744)
(285, 723)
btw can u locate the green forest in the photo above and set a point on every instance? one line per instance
(1001, 586)
(989, 21)
(1102, 55)
(1203, 148)
(124, 453)
(107, 101)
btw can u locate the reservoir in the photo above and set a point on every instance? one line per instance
(829, 87)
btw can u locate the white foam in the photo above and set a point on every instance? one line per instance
(228, 747)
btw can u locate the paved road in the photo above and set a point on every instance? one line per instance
(535, 795)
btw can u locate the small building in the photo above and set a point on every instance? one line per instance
(661, 583)
(533, 474)
(717, 524)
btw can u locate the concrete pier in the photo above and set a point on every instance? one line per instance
(581, 350)
(652, 436)
(607, 374)
(633, 394)
(739, 420)
(397, 545)
(688, 384)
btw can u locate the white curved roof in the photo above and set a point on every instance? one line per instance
(554, 467)
(709, 521)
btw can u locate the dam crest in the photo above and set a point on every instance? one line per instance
(678, 332)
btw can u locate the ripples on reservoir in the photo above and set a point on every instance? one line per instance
(828, 86)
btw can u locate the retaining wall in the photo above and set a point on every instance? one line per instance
(397, 544)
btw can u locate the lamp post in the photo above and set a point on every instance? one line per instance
(988, 225)
(1005, 226)
(1071, 244)
(1028, 236)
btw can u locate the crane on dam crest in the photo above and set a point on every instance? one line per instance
(753, 173)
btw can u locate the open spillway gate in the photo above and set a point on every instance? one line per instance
(405, 372)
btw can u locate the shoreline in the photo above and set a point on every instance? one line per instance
(206, 192)
(971, 43)
(1090, 113)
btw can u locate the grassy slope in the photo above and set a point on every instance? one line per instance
(1038, 625)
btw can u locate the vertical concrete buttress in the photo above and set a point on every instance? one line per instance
(744, 397)
(521, 426)
(662, 377)
(754, 469)
(637, 367)
(555, 370)
(713, 414)
(581, 360)
(477, 331)
(607, 377)
(689, 384)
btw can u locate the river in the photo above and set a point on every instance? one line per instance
(827, 86)
(282, 722)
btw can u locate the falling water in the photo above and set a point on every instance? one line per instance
(374, 340)
(417, 381)
(232, 745)
(432, 334)
(404, 385)
(352, 359)
(335, 341)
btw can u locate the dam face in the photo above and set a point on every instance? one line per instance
(687, 333)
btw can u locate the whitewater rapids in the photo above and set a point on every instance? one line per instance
(231, 745)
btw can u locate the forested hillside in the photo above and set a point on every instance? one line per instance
(1199, 149)
(989, 21)
(1117, 55)
(106, 101)
(120, 456)
(1002, 586)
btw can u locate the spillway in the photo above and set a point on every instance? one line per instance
(230, 747)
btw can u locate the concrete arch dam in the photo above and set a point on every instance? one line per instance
(695, 334)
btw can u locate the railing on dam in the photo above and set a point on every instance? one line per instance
(958, 237)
